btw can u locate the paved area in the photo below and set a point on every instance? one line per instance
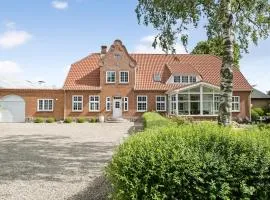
(54, 161)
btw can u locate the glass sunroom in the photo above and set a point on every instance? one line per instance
(195, 100)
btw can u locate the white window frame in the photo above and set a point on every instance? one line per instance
(107, 72)
(235, 103)
(43, 105)
(160, 102)
(178, 76)
(146, 101)
(94, 101)
(125, 100)
(108, 102)
(73, 110)
(123, 82)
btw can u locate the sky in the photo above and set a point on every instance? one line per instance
(39, 40)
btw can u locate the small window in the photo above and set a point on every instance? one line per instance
(184, 79)
(110, 77)
(157, 77)
(94, 103)
(161, 103)
(125, 103)
(177, 79)
(108, 103)
(77, 103)
(45, 105)
(235, 104)
(141, 103)
(124, 77)
(216, 102)
(192, 79)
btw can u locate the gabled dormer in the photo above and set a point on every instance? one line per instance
(182, 73)
(117, 67)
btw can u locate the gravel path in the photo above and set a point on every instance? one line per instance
(54, 161)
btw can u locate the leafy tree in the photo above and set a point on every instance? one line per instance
(240, 21)
(268, 92)
(216, 47)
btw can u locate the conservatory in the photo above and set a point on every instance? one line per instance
(201, 99)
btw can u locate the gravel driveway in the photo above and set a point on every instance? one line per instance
(54, 161)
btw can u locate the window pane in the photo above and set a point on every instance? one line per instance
(183, 97)
(40, 104)
(194, 108)
(177, 79)
(184, 79)
(192, 79)
(183, 108)
(46, 105)
(206, 89)
(194, 97)
(196, 89)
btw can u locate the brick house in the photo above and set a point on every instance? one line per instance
(117, 84)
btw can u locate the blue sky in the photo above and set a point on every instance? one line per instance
(39, 40)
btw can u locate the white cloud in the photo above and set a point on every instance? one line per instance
(60, 5)
(9, 68)
(10, 24)
(13, 38)
(145, 46)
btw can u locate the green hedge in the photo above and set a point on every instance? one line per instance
(260, 111)
(254, 115)
(154, 120)
(195, 161)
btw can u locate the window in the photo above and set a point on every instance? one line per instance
(124, 78)
(94, 103)
(157, 77)
(108, 103)
(192, 79)
(45, 105)
(77, 103)
(216, 103)
(161, 103)
(110, 77)
(125, 103)
(141, 103)
(177, 79)
(184, 79)
(173, 104)
(235, 104)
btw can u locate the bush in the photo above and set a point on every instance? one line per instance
(81, 120)
(39, 120)
(179, 120)
(68, 120)
(153, 119)
(260, 111)
(254, 115)
(196, 161)
(50, 120)
(93, 120)
(263, 126)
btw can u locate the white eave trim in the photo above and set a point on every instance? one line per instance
(176, 91)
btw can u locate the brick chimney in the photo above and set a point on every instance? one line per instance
(103, 50)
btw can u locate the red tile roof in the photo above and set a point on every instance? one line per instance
(84, 74)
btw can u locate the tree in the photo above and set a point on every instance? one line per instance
(239, 21)
(268, 93)
(215, 46)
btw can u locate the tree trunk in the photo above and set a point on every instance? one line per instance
(226, 86)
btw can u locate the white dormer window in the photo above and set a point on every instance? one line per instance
(184, 79)
(192, 79)
(177, 79)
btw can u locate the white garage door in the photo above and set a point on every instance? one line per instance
(12, 109)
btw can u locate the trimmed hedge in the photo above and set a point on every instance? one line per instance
(195, 161)
(81, 120)
(68, 120)
(50, 120)
(39, 120)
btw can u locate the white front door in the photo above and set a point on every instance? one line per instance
(117, 107)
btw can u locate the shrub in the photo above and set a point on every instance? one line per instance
(68, 120)
(50, 120)
(93, 120)
(254, 115)
(197, 161)
(81, 120)
(39, 120)
(267, 114)
(180, 120)
(153, 119)
(263, 126)
(260, 111)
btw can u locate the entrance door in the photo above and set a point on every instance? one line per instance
(117, 107)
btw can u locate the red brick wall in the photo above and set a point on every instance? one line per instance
(31, 97)
(245, 104)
